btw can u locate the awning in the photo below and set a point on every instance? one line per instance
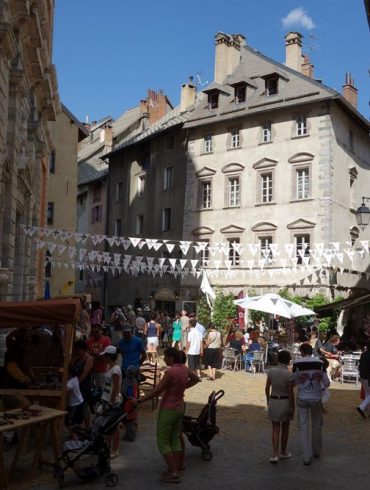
(327, 310)
(34, 313)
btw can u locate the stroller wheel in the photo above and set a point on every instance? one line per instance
(207, 455)
(111, 480)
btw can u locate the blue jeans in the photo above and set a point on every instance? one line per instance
(248, 358)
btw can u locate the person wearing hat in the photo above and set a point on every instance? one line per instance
(112, 390)
(132, 349)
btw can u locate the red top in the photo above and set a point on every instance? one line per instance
(173, 398)
(96, 346)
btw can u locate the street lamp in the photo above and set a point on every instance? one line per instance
(363, 214)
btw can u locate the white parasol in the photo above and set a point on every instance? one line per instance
(275, 305)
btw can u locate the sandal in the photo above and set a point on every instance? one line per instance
(170, 478)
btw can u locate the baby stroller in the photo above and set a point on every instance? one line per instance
(200, 431)
(89, 456)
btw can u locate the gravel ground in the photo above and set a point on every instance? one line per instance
(242, 449)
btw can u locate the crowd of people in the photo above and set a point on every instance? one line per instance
(97, 382)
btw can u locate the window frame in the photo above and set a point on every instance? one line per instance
(139, 224)
(96, 193)
(118, 227)
(235, 138)
(306, 194)
(208, 143)
(233, 255)
(50, 213)
(230, 191)
(266, 131)
(202, 183)
(168, 178)
(52, 162)
(213, 100)
(265, 236)
(119, 191)
(262, 175)
(166, 219)
(269, 80)
(301, 125)
(302, 234)
(240, 89)
(96, 214)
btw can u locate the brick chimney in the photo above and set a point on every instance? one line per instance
(157, 105)
(227, 56)
(188, 95)
(307, 67)
(350, 92)
(293, 50)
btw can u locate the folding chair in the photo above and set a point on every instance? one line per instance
(231, 359)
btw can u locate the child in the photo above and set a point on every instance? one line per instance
(75, 402)
(129, 391)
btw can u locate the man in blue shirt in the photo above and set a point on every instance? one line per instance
(132, 349)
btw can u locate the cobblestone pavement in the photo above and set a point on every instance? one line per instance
(242, 449)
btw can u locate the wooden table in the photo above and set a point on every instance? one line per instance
(48, 418)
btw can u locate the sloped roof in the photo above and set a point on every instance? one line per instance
(82, 131)
(296, 89)
(173, 118)
(119, 126)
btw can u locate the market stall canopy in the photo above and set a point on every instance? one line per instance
(35, 313)
(275, 305)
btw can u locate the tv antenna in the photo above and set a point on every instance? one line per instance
(312, 44)
(200, 83)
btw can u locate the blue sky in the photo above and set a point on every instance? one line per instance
(109, 52)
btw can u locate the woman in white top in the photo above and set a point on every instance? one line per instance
(112, 391)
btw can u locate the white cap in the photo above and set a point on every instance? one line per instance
(109, 350)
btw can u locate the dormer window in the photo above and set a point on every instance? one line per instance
(240, 94)
(213, 100)
(271, 85)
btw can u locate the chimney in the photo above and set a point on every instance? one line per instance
(307, 67)
(350, 92)
(188, 95)
(106, 136)
(293, 50)
(144, 106)
(227, 56)
(157, 105)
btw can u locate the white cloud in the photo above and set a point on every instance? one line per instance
(298, 18)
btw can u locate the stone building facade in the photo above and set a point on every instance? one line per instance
(275, 157)
(66, 132)
(28, 100)
(93, 204)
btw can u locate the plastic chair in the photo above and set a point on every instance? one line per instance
(349, 370)
(231, 359)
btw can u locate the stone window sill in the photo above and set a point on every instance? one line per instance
(272, 203)
(297, 137)
(307, 199)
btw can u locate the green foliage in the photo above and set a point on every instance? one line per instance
(203, 311)
(224, 310)
(254, 315)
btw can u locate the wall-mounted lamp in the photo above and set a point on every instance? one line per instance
(363, 214)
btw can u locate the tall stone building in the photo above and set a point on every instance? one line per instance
(93, 207)
(28, 100)
(66, 132)
(151, 171)
(275, 158)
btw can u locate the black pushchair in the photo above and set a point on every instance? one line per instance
(89, 456)
(200, 431)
